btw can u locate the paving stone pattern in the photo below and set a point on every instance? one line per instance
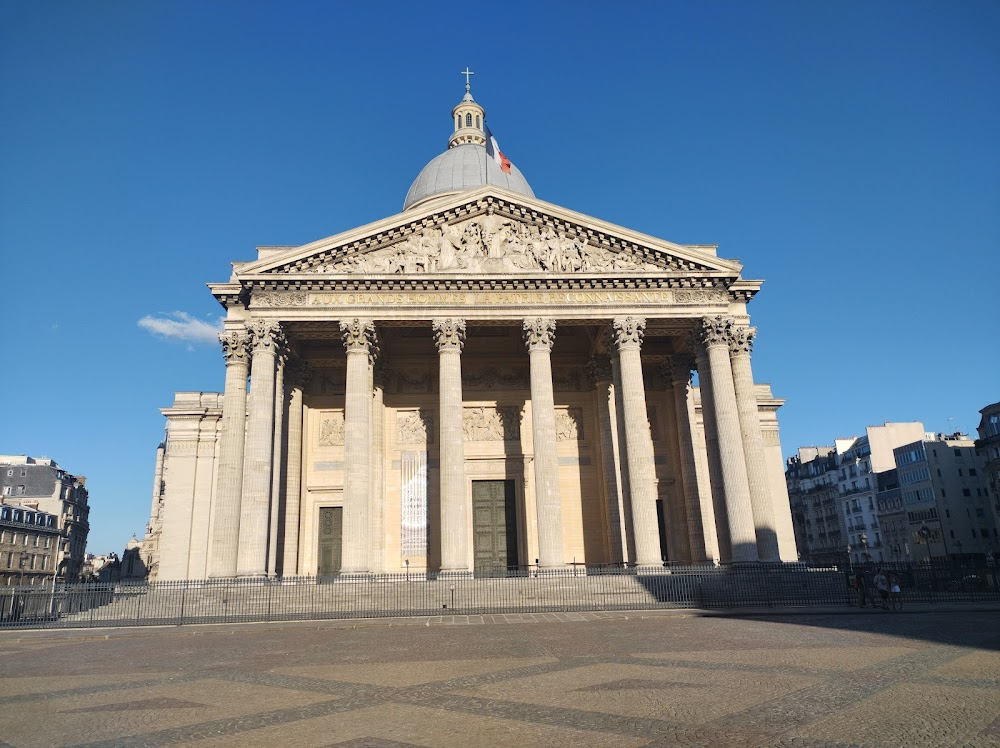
(646, 679)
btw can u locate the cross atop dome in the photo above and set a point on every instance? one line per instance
(468, 117)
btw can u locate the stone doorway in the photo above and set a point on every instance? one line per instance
(331, 523)
(494, 526)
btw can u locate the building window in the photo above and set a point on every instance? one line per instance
(972, 472)
(966, 492)
(20, 490)
(10, 473)
(6, 490)
(468, 123)
(939, 472)
(958, 453)
(477, 120)
(943, 494)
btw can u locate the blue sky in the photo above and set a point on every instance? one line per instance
(847, 152)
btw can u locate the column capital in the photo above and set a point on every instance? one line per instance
(235, 345)
(741, 340)
(266, 335)
(359, 335)
(627, 332)
(599, 370)
(449, 334)
(539, 333)
(677, 368)
(716, 330)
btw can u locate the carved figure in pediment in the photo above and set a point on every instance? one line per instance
(488, 243)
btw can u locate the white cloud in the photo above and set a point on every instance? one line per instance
(182, 326)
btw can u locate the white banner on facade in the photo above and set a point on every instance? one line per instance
(414, 519)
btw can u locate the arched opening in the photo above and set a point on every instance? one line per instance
(468, 119)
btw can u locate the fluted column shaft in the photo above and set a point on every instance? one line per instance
(698, 503)
(628, 332)
(716, 488)
(740, 346)
(675, 505)
(226, 522)
(293, 487)
(277, 513)
(621, 454)
(449, 337)
(258, 462)
(742, 537)
(601, 374)
(359, 339)
(539, 335)
(377, 549)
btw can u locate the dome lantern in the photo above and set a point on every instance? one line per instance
(468, 118)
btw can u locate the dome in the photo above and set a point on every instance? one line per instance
(461, 168)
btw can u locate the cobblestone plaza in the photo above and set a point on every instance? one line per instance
(594, 679)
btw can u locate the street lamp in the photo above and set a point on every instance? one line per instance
(20, 567)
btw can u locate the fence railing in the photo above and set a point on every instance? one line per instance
(506, 590)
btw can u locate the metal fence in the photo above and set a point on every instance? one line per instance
(514, 590)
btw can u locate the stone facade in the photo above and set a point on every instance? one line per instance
(41, 484)
(482, 379)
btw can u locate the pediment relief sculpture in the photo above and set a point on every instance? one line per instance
(488, 243)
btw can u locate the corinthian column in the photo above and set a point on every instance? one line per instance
(298, 378)
(716, 333)
(229, 483)
(359, 340)
(601, 374)
(697, 497)
(449, 336)
(628, 332)
(278, 461)
(740, 347)
(539, 334)
(267, 341)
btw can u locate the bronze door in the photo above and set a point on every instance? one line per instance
(494, 526)
(331, 522)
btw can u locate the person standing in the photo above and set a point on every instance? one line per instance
(882, 585)
(895, 593)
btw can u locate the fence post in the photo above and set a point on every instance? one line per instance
(180, 620)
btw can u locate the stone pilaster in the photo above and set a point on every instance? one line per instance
(229, 486)
(268, 340)
(697, 497)
(628, 332)
(740, 346)
(539, 334)
(298, 376)
(360, 342)
(449, 337)
(716, 333)
(601, 374)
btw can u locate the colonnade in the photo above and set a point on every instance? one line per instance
(727, 509)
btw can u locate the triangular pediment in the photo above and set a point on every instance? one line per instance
(489, 231)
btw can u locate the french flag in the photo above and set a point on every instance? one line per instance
(494, 152)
